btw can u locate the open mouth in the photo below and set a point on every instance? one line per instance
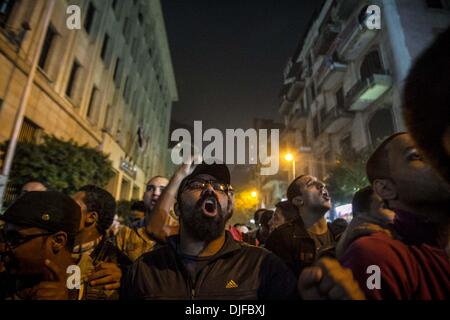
(326, 196)
(209, 207)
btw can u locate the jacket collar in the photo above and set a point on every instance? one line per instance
(229, 245)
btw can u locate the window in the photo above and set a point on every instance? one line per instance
(72, 78)
(316, 126)
(371, 65)
(6, 7)
(340, 101)
(126, 90)
(140, 18)
(134, 48)
(107, 122)
(114, 4)
(29, 132)
(92, 104)
(48, 42)
(126, 24)
(346, 144)
(90, 16)
(116, 72)
(381, 125)
(105, 47)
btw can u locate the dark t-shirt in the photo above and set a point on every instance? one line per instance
(322, 241)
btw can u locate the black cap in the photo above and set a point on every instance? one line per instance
(218, 170)
(48, 210)
(215, 169)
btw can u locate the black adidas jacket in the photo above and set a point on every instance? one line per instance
(254, 272)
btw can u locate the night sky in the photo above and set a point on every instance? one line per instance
(229, 56)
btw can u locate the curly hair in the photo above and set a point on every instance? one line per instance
(101, 201)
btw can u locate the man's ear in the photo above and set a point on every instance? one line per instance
(231, 203)
(176, 209)
(297, 201)
(58, 241)
(91, 218)
(385, 188)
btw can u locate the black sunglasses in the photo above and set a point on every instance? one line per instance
(13, 238)
(200, 184)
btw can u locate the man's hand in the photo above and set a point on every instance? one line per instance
(106, 274)
(187, 168)
(55, 288)
(328, 280)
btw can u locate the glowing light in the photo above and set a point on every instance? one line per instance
(289, 157)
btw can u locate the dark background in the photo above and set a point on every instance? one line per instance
(229, 57)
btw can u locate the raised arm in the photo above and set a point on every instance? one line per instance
(157, 223)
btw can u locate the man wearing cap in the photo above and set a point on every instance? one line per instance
(37, 240)
(201, 260)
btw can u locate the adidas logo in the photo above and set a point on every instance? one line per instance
(231, 284)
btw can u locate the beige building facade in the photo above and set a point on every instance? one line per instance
(109, 84)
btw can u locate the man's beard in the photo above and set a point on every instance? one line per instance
(201, 227)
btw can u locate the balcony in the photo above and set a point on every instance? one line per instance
(354, 39)
(291, 94)
(330, 73)
(335, 119)
(346, 8)
(327, 34)
(297, 118)
(366, 91)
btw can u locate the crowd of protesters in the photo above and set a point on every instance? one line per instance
(178, 244)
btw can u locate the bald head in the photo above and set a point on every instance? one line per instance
(399, 174)
(33, 186)
(153, 190)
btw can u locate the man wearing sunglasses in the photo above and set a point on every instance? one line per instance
(201, 260)
(36, 243)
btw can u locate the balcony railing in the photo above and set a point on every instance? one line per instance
(330, 72)
(327, 34)
(335, 119)
(354, 39)
(366, 91)
(290, 95)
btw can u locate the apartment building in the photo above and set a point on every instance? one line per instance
(109, 84)
(342, 87)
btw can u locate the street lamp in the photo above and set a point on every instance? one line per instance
(253, 194)
(290, 157)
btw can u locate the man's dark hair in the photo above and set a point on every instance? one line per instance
(426, 102)
(138, 206)
(294, 190)
(378, 164)
(101, 201)
(361, 201)
(288, 210)
(258, 213)
(266, 215)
